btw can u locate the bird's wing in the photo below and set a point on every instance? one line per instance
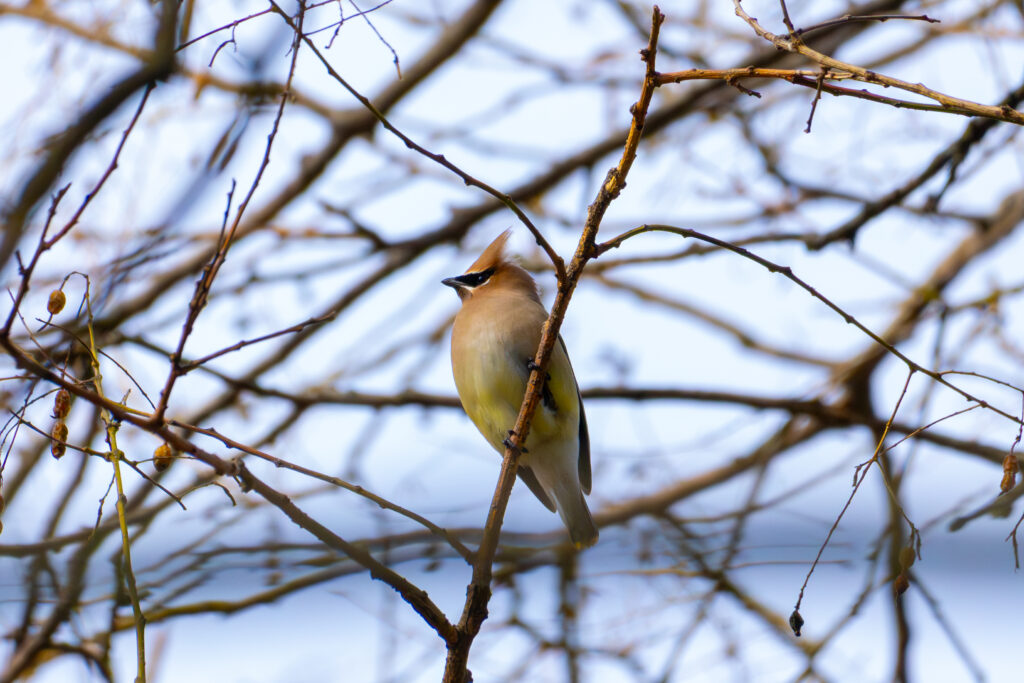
(584, 462)
(584, 435)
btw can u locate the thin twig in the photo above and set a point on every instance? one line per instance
(788, 273)
(442, 533)
(793, 43)
(859, 477)
(556, 260)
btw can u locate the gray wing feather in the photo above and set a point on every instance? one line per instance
(584, 437)
(584, 463)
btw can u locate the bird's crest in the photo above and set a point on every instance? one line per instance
(493, 256)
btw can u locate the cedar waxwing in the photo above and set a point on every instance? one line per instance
(494, 340)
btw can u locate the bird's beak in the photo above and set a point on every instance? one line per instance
(458, 285)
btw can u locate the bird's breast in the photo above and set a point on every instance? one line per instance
(491, 351)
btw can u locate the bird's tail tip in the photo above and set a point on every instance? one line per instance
(583, 544)
(582, 529)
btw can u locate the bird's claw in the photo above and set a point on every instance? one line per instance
(507, 442)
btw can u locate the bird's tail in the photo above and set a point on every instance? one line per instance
(559, 479)
(575, 514)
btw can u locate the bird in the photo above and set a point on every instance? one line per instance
(495, 336)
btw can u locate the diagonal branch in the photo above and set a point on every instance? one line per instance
(416, 597)
(478, 593)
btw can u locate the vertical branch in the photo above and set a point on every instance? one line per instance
(115, 455)
(478, 593)
(568, 608)
(897, 541)
(126, 552)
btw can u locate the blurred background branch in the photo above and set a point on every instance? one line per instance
(285, 417)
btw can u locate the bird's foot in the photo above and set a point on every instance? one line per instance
(507, 442)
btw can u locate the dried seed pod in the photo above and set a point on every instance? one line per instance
(56, 303)
(59, 435)
(1009, 473)
(796, 622)
(61, 404)
(900, 585)
(3, 503)
(906, 558)
(162, 457)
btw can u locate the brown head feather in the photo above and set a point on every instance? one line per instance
(507, 273)
(493, 255)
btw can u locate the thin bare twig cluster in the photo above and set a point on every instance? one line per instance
(268, 294)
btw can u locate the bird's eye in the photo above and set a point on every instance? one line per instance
(478, 278)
